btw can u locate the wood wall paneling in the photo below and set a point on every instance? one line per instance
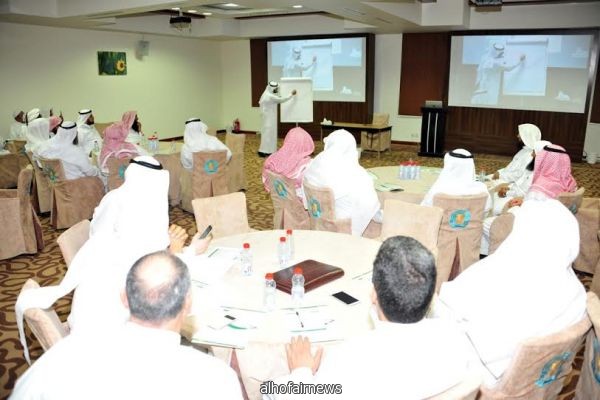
(490, 130)
(424, 70)
(595, 109)
(258, 68)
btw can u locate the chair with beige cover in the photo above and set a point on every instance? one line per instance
(71, 240)
(500, 229)
(16, 146)
(227, 214)
(116, 171)
(587, 212)
(235, 168)
(10, 167)
(588, 385)
(289, 212)
(419, 222)
(209, 177)
(539, 366)
(459, 240)
(377, 141)
(321, 210)
(21, 231)
(72, 199)
(42, 192)
(44, 323)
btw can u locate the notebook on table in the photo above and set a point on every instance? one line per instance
(315, 273)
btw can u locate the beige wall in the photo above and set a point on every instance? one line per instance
(44, 66)
(236, 85)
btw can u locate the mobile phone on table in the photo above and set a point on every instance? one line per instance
(345, 298)
(206, 232)
(221, 322)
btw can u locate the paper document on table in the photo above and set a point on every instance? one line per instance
(210, 267)
(388, 187)
(316, 323)
(236, 333)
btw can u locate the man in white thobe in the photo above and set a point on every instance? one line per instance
(75, 161)
(195, 139)
(18, 129)
(406, 356)
(528, 135)
(268, 107)
(88, 137)
(294, 67)
(489, 74)
(144, 358)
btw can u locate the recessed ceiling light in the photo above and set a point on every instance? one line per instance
(192, 11)
(298, 6)
(232, 5)
(207, 13)
(175, 8)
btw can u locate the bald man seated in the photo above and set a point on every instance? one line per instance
(143, 359)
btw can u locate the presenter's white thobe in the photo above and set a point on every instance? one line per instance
(268, 108)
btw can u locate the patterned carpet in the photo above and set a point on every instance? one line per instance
(48, 266)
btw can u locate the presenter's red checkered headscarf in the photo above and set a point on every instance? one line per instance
(552, 172)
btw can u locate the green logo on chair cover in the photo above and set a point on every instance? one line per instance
(573, 208)
(211, 166)
(553, 368)
(280, 189)
(460, 219)
(596, 360)
(314, 207)
(122, 169)
(50, 173)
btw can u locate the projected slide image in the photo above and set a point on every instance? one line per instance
(336, 66)
(535, 72)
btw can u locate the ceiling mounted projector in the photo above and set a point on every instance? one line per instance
(180, 22)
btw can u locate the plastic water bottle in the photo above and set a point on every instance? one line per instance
(401, 172)
(418, 174)
(96, 147)
(297, 286)
(270, 286)
(290, 242)
(246, 260)
(282, 252)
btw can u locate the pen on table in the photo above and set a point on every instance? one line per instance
(300, 319)
(328, 322)
(213, 252)
(363, 274)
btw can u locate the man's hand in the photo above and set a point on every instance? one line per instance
(502, 190)
(200, 245)
(294, 92)
(299, 354)
(496, 175)
(177, 238)
(516, 202)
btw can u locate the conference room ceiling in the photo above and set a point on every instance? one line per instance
(263, 18)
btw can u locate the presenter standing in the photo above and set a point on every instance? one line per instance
(489, 74)
(294, 67)
(268, 108)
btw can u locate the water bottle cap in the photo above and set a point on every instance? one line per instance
(289, 232)
(269, 276)
(298, 271)
(246, 245)
(282, 239)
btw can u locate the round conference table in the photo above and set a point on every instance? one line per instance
(327, 319)
(385, 180)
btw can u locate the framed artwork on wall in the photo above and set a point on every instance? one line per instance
(112, 63)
